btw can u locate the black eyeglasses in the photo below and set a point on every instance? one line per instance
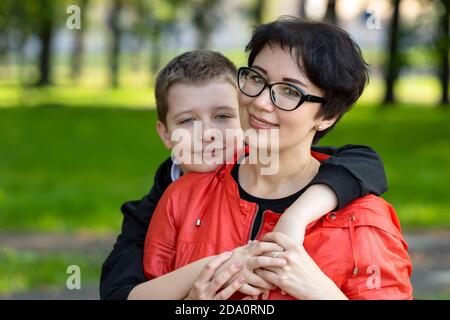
(284, 95)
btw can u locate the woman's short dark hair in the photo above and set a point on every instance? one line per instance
(325, 53)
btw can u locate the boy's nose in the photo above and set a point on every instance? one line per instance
(210, 134)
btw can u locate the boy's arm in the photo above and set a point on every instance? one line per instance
(350, 173)
(123, 269)
(163, 288)
(316, 201)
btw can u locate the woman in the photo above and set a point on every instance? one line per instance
(302, 77)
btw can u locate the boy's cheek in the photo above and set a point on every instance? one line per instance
(200, 168)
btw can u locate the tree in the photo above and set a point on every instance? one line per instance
(392, 66)
(206, 18)
(258, 12)
(116, 34)
(330, 14)
(45, 33)
(443, 48)
(302, 9)
(78, 43)
(38, 18)
(154, 19)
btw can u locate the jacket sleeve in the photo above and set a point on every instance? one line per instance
(160, 242)
(384, 268)
(352, 171)
(122, 270)
(380, 254)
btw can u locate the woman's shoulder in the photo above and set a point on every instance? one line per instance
(371, 211)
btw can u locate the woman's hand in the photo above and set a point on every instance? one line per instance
(301, 277)
(254, 285)
(209, 284)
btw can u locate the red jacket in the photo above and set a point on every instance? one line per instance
(359, 247)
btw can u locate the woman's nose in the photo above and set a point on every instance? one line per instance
(263, 101)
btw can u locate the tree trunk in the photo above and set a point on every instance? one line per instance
(116, 33)
(205, 20)
(302, 9)
(259, 11)
(78, 45)
(156, 56)
(45, 36)
(330, 15)
(392, 69)
(444, 48)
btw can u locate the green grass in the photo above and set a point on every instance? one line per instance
(69, 169)
(415, 147)
(21, 271)
(65, 169)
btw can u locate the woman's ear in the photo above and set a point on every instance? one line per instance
(164, 134)
(325, 124)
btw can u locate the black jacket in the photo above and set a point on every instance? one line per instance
(351, 171)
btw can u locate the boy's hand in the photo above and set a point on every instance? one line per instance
(210, 284)
(254, 284)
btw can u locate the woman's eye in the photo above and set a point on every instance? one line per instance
(291, 92)
(223, 116)
(256, 79)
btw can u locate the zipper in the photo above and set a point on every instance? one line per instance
(253, 223)
(260, 225)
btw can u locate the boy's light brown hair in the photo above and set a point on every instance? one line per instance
(193, 67)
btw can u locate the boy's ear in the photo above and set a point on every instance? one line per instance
(164, 134)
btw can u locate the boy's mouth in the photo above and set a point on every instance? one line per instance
(259, 123)
(211, 152)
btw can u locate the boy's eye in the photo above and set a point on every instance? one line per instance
(185, 121)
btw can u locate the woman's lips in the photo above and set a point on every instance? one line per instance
(258, 123)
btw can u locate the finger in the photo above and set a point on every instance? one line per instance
(265, 262)
(257, 281)
(222, 278)
(249, 290)
(280, 239)
(263, 246)
(265, 294)
(208, 271)
(226, 293)
(271, 269)
(268, 276)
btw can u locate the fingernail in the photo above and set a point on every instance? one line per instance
(227, 253)
(238, 264)
(241, 280)
(283, 262)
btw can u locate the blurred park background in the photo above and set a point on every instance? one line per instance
(77, 120)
